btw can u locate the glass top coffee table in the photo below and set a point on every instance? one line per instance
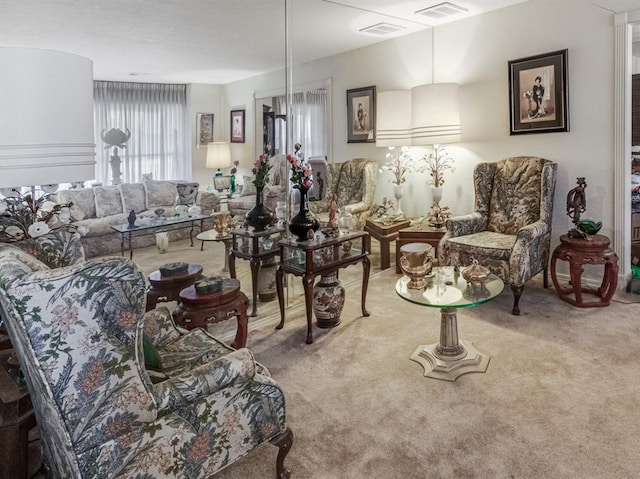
(447, 290)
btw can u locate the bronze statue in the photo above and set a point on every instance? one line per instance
(576, 205)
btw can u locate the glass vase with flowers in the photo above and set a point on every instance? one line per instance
(302, 179)
(260, 216)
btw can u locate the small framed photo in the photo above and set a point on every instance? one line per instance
(237, 126)
(361, 115)
(538, 93)
(204, 122)
(318, 165)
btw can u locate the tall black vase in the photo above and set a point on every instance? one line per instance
(260, 216)
(304, 221)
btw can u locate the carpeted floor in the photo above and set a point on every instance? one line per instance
(559, 398)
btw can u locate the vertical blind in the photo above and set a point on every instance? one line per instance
(156, 116)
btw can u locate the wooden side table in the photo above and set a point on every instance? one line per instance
(422, 234)
(167, 288)
(16, 420)
(578, 252)
(198, 310)
(385, 234)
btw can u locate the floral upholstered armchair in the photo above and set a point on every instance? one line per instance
(354, 184)
(510, 231)
(82, 340)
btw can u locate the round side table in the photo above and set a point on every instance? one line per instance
(167, 288)
(579, 252)
(198, 310)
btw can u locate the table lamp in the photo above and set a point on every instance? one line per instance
(218, 156)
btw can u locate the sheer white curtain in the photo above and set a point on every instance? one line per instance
(308, 121)
(156, 116)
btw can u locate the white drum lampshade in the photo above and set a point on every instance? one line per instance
(218, 155)
(435, 114)
(46, 117)
(393, 118)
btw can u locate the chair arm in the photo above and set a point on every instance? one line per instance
(237, 366)
(466, 225)
(159, 326)
(533, 230)
(356, 208)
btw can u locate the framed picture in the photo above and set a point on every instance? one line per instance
(318, 165)
(222, 183)
(237, 126)
(361, 115)
(538, 93)
(204, 122)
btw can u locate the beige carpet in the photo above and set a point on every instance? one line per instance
(559, 398)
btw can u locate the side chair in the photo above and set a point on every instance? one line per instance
(122, 394)
(510, 230)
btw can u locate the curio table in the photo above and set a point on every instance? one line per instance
(447, 290)
(213, 235)
(313, 258)
(255, 246)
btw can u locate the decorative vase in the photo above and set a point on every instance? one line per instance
(281, 212)
(232, 184)
(416, 263)
(397, 192)
(328, 300)
(304, 221)
(162, 242)
(436, 194)
(344, 220)
(260, 216)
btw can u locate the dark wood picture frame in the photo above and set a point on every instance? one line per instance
(361, 115)
(538, 93)
(236, 123)
(204, 135)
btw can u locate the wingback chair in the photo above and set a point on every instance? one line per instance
(81, 338)
(354, 184)
(510, 230)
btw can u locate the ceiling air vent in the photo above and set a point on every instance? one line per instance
(441, 10)
(382, 29)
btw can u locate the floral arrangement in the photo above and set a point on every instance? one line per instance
(260, 171)
(301, 172)
(400, 164)
(437, 163)
(24, 216)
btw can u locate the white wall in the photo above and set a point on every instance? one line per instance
(205, 99)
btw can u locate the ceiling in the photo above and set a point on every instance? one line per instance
(216, 41)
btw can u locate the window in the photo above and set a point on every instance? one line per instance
(156, 116)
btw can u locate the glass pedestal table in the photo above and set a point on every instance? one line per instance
(447, 290)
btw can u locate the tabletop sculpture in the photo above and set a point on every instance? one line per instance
(576, 205)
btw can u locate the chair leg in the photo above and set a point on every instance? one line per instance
(517, 292)
(283, 441)
(545, 277)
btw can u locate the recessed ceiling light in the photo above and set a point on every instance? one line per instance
(441, 10)
(138, 74)
(383, 28)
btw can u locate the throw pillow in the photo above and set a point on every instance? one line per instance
(108, 201)
(160, 193)
(133, 197)
(248, 188)
(84, 203)
(152, 359)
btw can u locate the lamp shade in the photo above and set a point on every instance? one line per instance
(46, 117)
(435, 114)
(393, 118)
(218, 155)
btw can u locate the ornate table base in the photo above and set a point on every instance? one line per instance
(450, 358)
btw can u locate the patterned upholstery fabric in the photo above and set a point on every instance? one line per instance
(55, 249)
(160, 193)
(354, 183)
(510, 231)
(133, 197)
(84, 202)
(78, 333)
(108, 201)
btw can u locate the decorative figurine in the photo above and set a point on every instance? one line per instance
(333, 209)
(132, 219)
(576, 205)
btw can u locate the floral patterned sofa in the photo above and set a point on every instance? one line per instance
(354, 184)
(510, 230)
(82, 339)
(96, 209)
